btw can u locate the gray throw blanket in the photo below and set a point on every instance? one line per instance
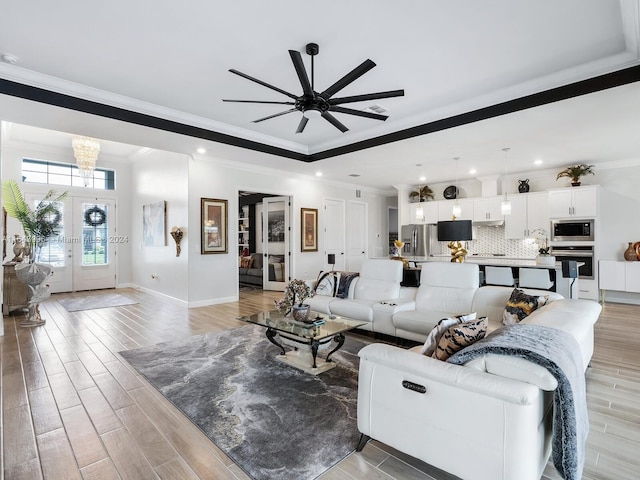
(559, 353)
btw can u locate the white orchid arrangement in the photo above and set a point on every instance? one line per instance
(541, 237)
(295, 293)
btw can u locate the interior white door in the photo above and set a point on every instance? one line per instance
(356, 235)
(94, 254)
(276, 229)
(56, 251)
(334, 237)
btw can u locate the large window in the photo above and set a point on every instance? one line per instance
(67, 174)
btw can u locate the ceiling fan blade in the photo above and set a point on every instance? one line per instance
(353, 75)
(302, 124)
(259, 101)
(275, 115)
(334, 121)
(360, 113)
(366, 96)
(296, 58)
(264, 84)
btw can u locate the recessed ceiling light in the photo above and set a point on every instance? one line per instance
(423, 178)
(538, 162)
(473, 171)
(201, 151)
(318, 173)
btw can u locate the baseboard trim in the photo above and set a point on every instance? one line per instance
(175, 300)
(213, 301)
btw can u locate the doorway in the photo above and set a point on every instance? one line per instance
(83, 254)
(264, 240)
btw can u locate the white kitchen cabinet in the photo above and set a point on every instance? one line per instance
(487, 208)
(574, 202)
(529, 212)
(612, 275)
(445, 209)
(430, 212)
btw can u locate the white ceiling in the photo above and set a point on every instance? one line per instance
(171, 60)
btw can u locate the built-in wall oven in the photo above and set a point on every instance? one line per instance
(578, 253)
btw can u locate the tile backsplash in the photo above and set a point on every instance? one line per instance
(490, 240)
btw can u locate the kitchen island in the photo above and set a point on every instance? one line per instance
(567, 287)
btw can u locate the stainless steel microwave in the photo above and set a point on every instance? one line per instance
(572, 230)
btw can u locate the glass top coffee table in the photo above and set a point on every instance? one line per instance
(306, 339)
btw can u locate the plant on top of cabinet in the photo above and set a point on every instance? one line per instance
(421, 194)
(574, 172)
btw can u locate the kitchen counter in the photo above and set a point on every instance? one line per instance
(566, 287)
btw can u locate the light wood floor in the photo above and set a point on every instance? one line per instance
(72, 408)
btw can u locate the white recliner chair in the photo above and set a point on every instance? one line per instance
(446, 289)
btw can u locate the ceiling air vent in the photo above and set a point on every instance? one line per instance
(354, 174)
(379, 109)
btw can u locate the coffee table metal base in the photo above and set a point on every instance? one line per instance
(305, 353)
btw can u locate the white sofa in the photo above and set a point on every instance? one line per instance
(374, 297)
(487, 420)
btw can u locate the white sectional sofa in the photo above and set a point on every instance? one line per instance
(487, 420)
(374, 296)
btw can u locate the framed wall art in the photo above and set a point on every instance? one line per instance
(154, 216)
(213, 230)
(309, 229)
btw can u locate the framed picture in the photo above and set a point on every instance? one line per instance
(213, 232)
(154, 232)
(309, 229)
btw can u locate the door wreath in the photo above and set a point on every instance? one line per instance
(95, 216)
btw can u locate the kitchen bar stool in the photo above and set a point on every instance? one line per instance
(499, 276)
(535, 278)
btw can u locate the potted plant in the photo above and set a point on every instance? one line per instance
(295, 293)
(422, 194)
(39, 225)
(574, 172)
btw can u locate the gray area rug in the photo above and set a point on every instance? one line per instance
(273, 420)
(91, 301)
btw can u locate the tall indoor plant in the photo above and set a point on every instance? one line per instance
(39, 225)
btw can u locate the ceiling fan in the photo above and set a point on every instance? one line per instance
(313, 104)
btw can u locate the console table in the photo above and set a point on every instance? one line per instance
(15, 294)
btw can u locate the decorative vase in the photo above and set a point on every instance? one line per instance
(300, 313)
(34, 275)
(544, 259)
(524, 186)
(630, 253)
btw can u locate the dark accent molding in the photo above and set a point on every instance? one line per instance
(583, 87)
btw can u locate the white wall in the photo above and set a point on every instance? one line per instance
(162, 176)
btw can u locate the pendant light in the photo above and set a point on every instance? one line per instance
(457, 208)
(419, 208)
(505, 206)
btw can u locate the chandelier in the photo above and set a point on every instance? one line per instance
(86, 150)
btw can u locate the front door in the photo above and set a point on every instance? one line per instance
(94, 251)
(275, 231)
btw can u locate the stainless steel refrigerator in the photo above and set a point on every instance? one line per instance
(420, 240)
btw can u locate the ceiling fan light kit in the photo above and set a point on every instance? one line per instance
(313, 104)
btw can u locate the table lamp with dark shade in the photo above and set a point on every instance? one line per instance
(454, 232)
(331, 260)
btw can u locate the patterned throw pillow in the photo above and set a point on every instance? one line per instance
(327, 284)
(433, 338)
(459, 336)
(246, 262)
(521, 305)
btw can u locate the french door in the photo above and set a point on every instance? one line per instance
(275, 232)
(83, 253)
